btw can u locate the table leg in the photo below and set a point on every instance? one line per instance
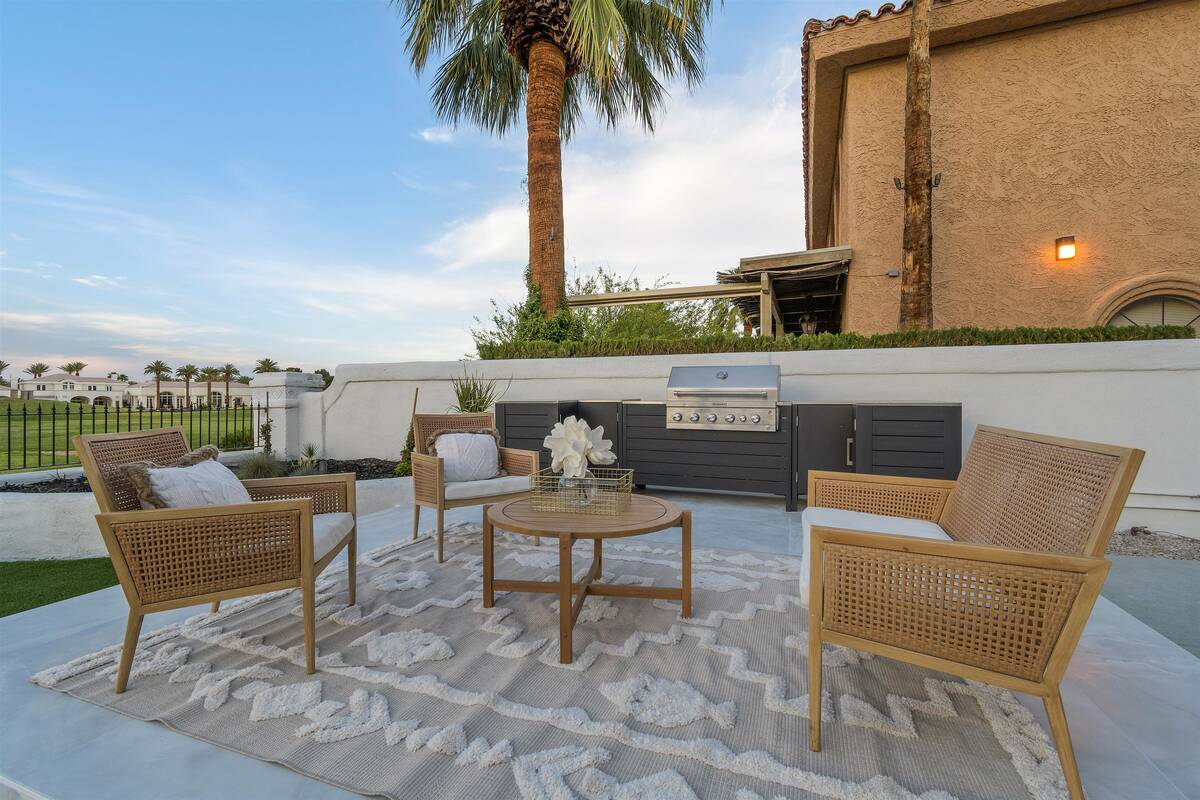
(597, 556)
(489, 554)
(686, 571)
(565, 599)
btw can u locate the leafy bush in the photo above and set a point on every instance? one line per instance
(262, 465)
(523, 322)
(404, 468)
(236, 440)
(946, 337)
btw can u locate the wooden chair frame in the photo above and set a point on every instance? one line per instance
(252, 548)
(429, 484)
(1001, 615)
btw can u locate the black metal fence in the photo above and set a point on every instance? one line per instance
(37, 434)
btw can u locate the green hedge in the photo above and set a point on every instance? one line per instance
(947, 337)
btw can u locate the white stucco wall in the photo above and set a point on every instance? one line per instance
(1141, 394)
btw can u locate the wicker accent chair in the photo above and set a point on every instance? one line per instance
(991, 577)
(177, 557)
(430, 489)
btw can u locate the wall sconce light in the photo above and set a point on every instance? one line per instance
(1064, 248)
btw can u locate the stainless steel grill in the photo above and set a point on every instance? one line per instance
(736, 398)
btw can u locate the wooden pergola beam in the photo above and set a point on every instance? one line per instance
(665, 295)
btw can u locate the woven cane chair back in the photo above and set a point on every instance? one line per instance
(104, 454)
(1039, 493)
(425, 425)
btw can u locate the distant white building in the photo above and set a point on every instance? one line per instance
(174, 394)
(106, 391)
(109, 391)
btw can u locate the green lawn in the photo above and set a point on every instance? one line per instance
(30, 441)
(29, 584)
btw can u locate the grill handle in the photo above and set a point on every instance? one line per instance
(719, 393)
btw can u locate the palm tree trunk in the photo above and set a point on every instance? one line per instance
(157, 393)
(187, 391)
(543, 109)
(916, 291)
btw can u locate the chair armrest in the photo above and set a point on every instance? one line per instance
(428, 482)
(915, 498)
(163, 555)
(518, 462)
(329, 493)
(970, 609)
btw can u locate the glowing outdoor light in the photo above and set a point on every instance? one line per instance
(1064, 248)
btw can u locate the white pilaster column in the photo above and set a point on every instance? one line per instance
(278, 395)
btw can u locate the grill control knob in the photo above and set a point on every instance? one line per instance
(676, 416)
(694, 417)
(755, 418)
(730, 417)
(712, 417)
(742, 418)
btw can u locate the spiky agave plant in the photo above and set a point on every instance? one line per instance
(552, 56)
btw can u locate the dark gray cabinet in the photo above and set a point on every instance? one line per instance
(823, 439)
(524, 424)
(739, 461)
(918, 441)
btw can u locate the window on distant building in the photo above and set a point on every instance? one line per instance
(69, 386)
(92, 388)
(41, 387)
(164, 400)
(216, 399)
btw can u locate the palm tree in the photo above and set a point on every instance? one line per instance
(208, 375)
(244, 380)
(73, 367)
(37, 369)
(266, 365)
(553, 54)
(159, 369)
(4, 365)
(916, 288)
(123, 377)
(188, 372)
(228, 372)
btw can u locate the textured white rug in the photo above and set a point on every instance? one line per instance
(421, 692)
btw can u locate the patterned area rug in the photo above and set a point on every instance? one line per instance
(421, 692)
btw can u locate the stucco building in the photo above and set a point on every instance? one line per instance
(106, 391)
(1050, 118)
(110, 391)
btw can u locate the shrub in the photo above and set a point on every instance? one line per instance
(262, 465)
(475, 394)
(945, 337)
(240, 439)
(404, 469)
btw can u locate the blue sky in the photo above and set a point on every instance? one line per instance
(221, 181)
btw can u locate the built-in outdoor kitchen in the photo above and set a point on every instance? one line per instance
(726, 428)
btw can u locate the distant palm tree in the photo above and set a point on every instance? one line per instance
(244, 380)
(123, 377)
(266, 365)
(228, 373)
(550, 56)
(208, 375)
(4, 365)
(73, 367)
(159, 369)
(37, 369)
(188, 372)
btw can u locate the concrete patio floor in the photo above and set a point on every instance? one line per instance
(1131, 693)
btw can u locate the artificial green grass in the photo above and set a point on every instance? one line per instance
(29, 584)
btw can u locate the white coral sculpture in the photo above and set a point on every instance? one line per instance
(573, 444)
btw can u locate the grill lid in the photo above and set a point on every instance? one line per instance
(749, 384)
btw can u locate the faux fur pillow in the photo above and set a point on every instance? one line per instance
(467, 455)
(196, 479)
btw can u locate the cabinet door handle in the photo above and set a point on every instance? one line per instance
(849, 451)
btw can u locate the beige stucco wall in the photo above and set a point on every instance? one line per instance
(1089, 128)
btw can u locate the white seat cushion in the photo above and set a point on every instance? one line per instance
(858, 521)
(509, 484)
(328, 530)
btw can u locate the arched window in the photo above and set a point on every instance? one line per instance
(1158, 310)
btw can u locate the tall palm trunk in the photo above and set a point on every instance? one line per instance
(157, 393)
(543, 109)
(187, 391)
(916, 291)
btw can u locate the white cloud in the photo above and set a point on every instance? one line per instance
(719, 180)
(440, 135)
(115, 323)
(99, 281)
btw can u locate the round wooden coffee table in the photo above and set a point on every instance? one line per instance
(644, 515)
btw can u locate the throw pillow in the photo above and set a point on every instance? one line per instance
(467, 455)
(196, 479)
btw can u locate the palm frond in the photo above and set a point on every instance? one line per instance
(597, 36)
